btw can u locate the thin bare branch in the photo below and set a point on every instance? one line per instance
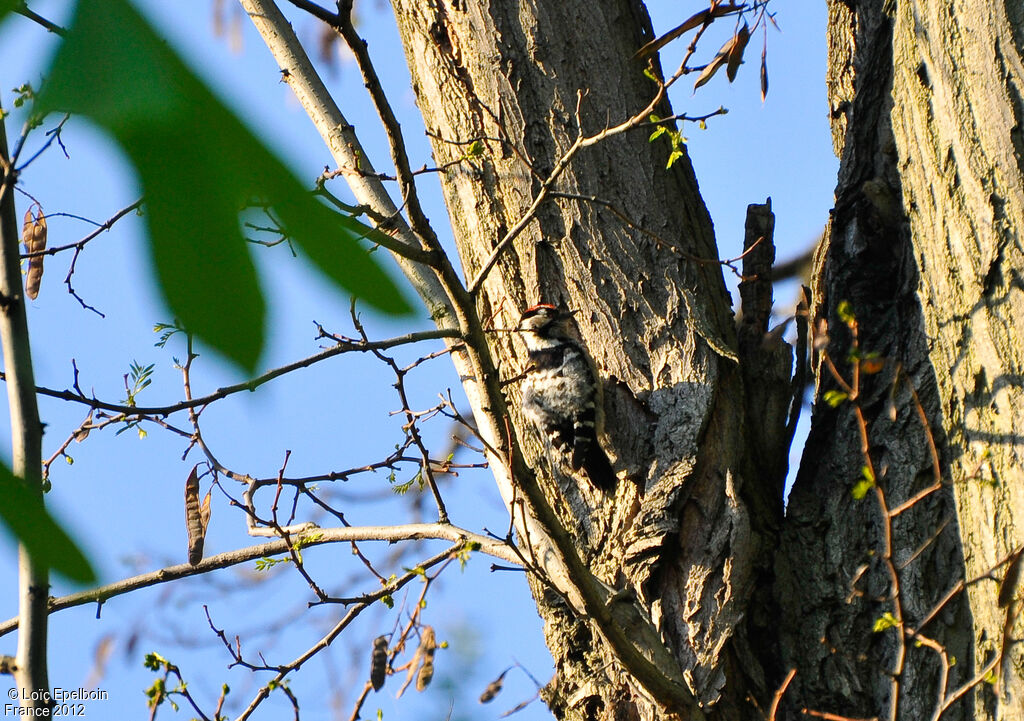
(779, 692)
(24, 10)
(100, 229)
(353, 612)
(343, 346)
(311, 538)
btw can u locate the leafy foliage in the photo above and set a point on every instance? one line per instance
(24, 514)
(6, 6)
(675, 138)
(199, 167)
(864, 484)
(835, 398)
(845, 312)
(885, 622)
(140, 377)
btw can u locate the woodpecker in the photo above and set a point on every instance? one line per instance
(561, 393)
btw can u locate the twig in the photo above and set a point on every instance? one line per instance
(352, 613)
(777, 698)
(410, 425)
(581, 141)
(396, 141)
(834, 716)
(71, 288)
(527, 217)
(79, 244)
(24, 10)
(661, 242)
(54, 136)
(313, 537)
(853, 389)
(251, 385)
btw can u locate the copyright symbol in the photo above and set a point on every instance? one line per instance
(13, 694)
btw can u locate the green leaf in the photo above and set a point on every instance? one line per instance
(199, 166)
(6, 6)
(865, 484)
(835, 398)
(25, 94)
(154, 661)
(266, 563)
(885, 622)
(861, 488)
(24, 514)
(845, 312)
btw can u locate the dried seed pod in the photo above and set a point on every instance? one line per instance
(379, 662)
(428, 644)
(197, 517)
(764, 73)
(493, 688)
(33, 235)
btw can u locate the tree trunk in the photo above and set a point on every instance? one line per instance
(917, 340)
(679, 531)
(924, 246)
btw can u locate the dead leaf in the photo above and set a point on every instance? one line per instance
(702, 17)
(101, 655)
(764, 74)
(711, 68)
(871, 366)
(739, 44)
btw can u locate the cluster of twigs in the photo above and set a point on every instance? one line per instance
(873, 481)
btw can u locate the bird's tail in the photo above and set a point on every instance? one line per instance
(598, 469)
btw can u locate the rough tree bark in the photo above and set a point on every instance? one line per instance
(921, 244)
(924, 243)
(689, 525)
(858, 595)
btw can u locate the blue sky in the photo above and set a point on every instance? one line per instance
(123, 494)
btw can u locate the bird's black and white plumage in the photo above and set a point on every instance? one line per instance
(562, 393)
